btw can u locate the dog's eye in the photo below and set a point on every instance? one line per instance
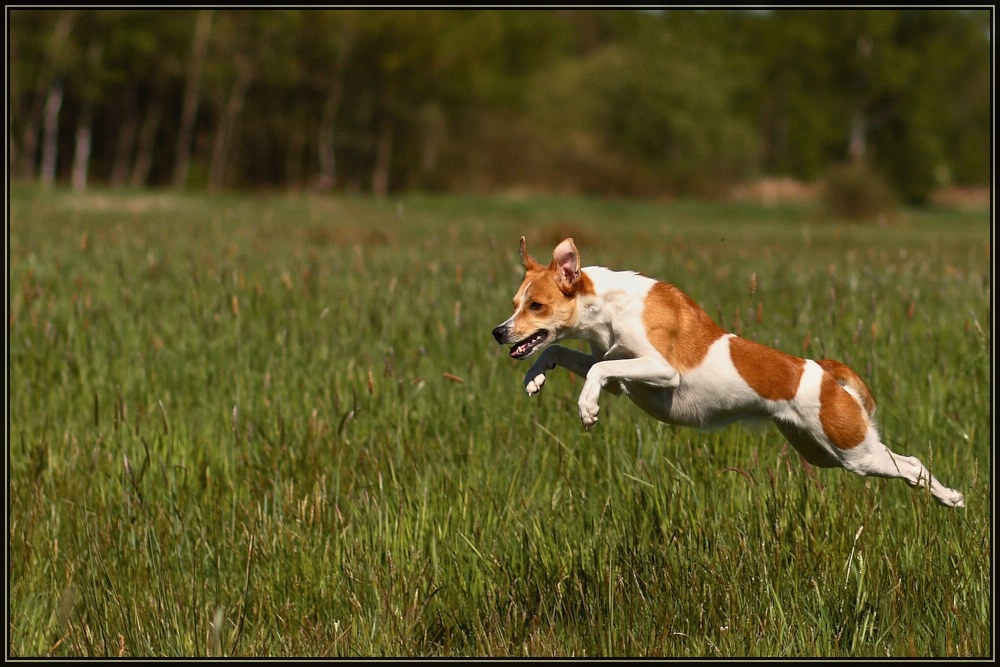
(534, 305)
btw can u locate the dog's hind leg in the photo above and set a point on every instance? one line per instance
(873, 458)
(575, 362)
(848, 433)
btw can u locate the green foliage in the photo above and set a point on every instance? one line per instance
(278, 426)
(857, 192)
(652, 102)
(649, 103)
(909, 150)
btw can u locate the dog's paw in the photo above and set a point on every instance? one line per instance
(952, 498)
(588, 413)
(533, 385)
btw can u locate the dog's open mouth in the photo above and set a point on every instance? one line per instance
(525, 347)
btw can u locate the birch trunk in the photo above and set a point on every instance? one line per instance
(383, 159)
(147, 138)
(81, 152)
(43, 92)
(325, 141)
(326, 152)
(192, 92)
(125, 142)
(227, 125)
(50, 133)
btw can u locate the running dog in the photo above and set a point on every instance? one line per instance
(653, 343)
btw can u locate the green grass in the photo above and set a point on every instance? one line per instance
(279, 426)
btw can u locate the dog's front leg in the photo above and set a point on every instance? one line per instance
(652, 371)
(575, 362)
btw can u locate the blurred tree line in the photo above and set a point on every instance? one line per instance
(622, 102)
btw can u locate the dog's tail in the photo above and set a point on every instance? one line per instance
(850, 381)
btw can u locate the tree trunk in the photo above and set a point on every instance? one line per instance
(81, 153)
(383, 158)
(43, 92)
(298, 146)
(147, 137)
(83, 137)
(857, 140)
(857, 147)
(227, 125)
(434, 130)
(192, 91)
(125, 141)
(325, 144)
(50, 133)
(325, 141)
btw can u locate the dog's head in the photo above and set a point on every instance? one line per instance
(545, 305)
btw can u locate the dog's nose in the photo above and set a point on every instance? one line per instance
(498, 333)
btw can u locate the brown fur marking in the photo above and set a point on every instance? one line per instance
(774, 375)
(539, 286)
(677, 326)
(844, 375)
(841, 416)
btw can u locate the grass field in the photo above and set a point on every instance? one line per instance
(271, 425)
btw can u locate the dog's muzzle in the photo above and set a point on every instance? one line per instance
(524, 347)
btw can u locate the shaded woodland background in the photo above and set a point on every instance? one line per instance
(604, 102)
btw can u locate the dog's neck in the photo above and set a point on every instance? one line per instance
(597, 313)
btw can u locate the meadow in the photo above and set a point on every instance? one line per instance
(277, 425)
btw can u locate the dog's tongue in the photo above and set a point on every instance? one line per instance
(520, 349)
(524, 348)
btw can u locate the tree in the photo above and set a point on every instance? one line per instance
(610, 101)
(41, 40)
(661, 102)
(919, 149)
(192, 93)
(879, 86)
(326, 54)
(85, 119)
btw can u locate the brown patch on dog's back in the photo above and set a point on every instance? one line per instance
(841, 416)
(677, 326)
(774, 375)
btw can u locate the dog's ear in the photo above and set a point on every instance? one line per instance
(527, 260)
(566, 262)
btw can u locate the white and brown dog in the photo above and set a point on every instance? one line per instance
(651, 341)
